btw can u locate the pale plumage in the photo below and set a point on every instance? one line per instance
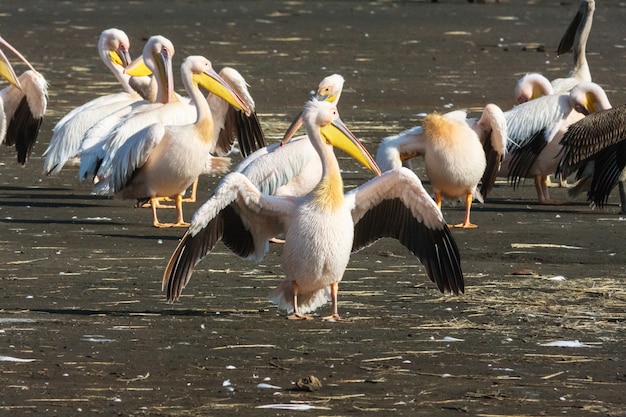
(595, 146)
(455, 152)
(103, 139)
(230, 125)
(329, 89)
(22, 105)
(532, 86)
(535, 129)
(320, 228)
(291, 167)
(163, 161)
(67, 135)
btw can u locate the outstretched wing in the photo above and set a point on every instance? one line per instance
(397, 205)
(236, 214)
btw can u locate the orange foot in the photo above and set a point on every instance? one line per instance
(466, 226)
(298, 316)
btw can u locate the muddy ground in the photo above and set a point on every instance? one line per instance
(86, 330)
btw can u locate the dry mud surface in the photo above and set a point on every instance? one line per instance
(84, 326)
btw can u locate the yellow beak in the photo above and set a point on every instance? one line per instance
(120, 57)
(212, 82)
(137, 68)
(337, 134)
(163, 61)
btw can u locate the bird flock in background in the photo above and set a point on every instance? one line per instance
(148, 143)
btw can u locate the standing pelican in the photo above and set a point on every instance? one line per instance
(230, 123)
(108, 134)
(164, 160)
(322, 227)
(596, 147)
(535, 129)
(67, 135)
(454, 150)
(22, 104)
(575, 39)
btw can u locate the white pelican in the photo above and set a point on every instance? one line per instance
(329, 89)
(596, 147)
(535, 129)
(575, 39)
(454, 150)
(531, 86)
(22, 104)
(108, 134)
(230, 123)
(164, 160)
(268, 169)
(67, 135)
(322, 227)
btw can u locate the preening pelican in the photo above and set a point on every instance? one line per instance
(164, 160)
(454, 150)
(322, 227)
(22, 105)
(67, 135)
(532, 86)
(535, 129)
(575, 39)
(596, 147)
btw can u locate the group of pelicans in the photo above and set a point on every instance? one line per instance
(150, 144)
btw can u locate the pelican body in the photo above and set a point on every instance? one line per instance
(455, 151)
(321, 228)
(164, 160)
(535, 129)
(68, 134)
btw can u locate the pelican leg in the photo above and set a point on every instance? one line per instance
(158, 203)
(296, 313)
(192, 197)
(438, 199)
(178, 200)
(468, 206)
(543, 195)
(155, 220)
(334, 289)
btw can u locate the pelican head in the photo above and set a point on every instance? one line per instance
(588, 97)
(156, 59)
(7, 72)
(115, 46)
(329, 89)
(335, 132)
(532, 86)
(204, 75)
